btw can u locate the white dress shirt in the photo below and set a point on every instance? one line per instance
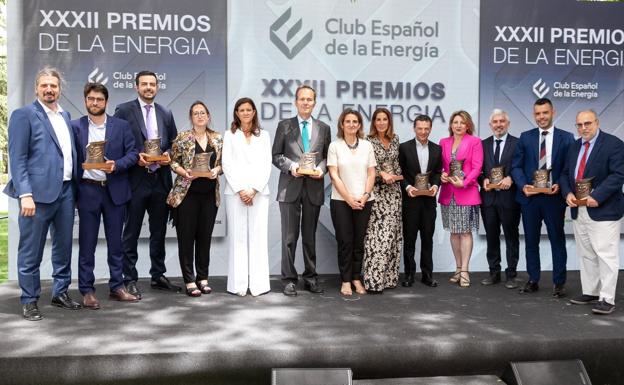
(62, 132)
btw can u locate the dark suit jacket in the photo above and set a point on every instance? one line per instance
(119, 147)
(288, 148)
(35, 153)
(131, 113)
(504, 198)
(526, 158)
(606, 165)
(408, 160)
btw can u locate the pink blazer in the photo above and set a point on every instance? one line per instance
(471, 151)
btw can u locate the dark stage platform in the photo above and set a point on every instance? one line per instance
(224, 339)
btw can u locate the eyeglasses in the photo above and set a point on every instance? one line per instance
(92, 99)
(585, 124)
(199, 113)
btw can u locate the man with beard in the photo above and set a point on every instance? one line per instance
(150, 183)
(43, 172)
(102, 193)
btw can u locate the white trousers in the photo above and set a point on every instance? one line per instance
(597, 244)
(248, 252)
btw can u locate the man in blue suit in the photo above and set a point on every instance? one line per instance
(150, 182)
(102, 193)
(43, 171)
(544, 147)
(598, 155)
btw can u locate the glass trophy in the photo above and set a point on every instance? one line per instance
(307, 164)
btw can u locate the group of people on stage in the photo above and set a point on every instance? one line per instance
(383, 195)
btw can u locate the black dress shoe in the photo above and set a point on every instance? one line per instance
(409, 280)
(493, 279)
(163, 283)
(429, 282)
(31, 312)
(290, 290)
(559, 290)
(529, 287)
(64, 301)
(313, 287)
(132, 288)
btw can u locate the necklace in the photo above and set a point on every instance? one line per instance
(354, 145)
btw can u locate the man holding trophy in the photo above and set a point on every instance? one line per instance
(499, 207)
(591, 183)
(154, 130)
(106, 151)
(536, 169)
(300, 153)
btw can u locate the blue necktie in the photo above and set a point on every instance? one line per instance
(305, 137)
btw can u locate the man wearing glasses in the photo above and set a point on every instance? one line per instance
(596, 219)
(102, 193)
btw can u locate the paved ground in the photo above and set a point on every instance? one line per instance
(419, 331)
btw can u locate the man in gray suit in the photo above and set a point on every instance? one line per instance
(300, 197)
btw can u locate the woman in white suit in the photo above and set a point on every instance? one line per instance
(246, 163)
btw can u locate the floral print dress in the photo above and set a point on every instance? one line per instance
(384, 236)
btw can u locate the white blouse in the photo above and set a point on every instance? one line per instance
(352, 166)
(246, 165)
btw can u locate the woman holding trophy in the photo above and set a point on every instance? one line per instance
(382, 245)
(351, 163)
(247, 168)
(462, 158)
(196, 159)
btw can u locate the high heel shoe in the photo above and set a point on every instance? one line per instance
(455, 277)
(464, 281)
(193, 291)
(359, 288)
(204, 288)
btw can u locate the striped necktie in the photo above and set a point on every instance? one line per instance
(542, 153)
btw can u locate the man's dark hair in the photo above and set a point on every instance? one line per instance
(423, 118)
(542, 101)
(96, 87)
(144, 73)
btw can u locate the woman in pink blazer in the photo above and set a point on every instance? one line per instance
(459, 195)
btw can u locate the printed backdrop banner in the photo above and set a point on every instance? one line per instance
(569, 51)
(184, 42)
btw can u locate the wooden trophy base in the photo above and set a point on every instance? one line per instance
(97, 166)
(308, 172)
(156, 158)
(580, 202)
(543, 190)
(424, 193)
(201, 174)
(493, 186)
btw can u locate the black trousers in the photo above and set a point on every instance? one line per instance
(195, 221)
(350, 229)
(149, 196)
(418, 217)
(494, 217)
(295, 215)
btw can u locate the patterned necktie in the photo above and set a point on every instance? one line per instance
(542, 153)
(581, 169)
(497, 152)
(305, 136)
